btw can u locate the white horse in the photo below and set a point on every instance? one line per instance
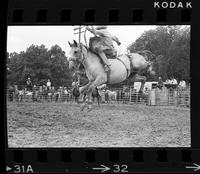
(121, 68)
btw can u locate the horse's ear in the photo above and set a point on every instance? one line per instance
(75, 43)
(69, 44)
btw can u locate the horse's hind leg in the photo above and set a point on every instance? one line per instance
(77, 100)
(98, 100)
(142, 79)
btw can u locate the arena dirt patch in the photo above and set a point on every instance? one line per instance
(64, 125)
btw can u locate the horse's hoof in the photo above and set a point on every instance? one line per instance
(89, 108)
(83, 106)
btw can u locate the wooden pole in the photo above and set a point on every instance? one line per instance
(79, 34)
(130, 92)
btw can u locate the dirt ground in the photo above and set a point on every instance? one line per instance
(64, 125)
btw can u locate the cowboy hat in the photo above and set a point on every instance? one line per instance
(102, 27)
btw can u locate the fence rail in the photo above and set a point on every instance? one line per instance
(169, 97)
(128, 95)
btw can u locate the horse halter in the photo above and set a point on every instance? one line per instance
(75, 60)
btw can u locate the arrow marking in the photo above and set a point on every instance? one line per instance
(103, 168)
(8, 168)
(195, 167)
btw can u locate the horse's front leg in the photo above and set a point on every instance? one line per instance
(98, 100)
(97, 82)
(86, 98)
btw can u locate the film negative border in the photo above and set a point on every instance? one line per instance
(110, 160)
(116, 12)
(102, 159)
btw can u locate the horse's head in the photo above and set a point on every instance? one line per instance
(76, 55)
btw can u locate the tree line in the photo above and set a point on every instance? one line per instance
(169, 45)
(40, 64)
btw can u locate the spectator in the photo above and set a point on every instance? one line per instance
(182, 84)
(11, 91)
(160, 82)
(51, 93)
(146, 94)
(174, 81)
(75, 84)
(65, 90)
(60, 90)
(29, 84)
(57, 93)
(65, 94)
(48, 84)
(146, 91)
(45, 92)
(167, 81)
(34, 98)
(40, 93)
(53, 89)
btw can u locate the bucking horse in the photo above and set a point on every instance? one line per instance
(122, 68)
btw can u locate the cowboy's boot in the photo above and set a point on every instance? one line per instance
(105, 61)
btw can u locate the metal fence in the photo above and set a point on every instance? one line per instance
(127, 95)
(176, 97)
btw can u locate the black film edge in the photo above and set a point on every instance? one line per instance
(102, 159)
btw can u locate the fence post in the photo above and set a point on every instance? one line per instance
(130, 94)
(136, 101)
(152, 98)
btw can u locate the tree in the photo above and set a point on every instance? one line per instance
(171, 47)
(60, 73)
(179, 55)
(40, 64)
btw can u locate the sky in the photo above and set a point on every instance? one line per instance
(19, 38)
